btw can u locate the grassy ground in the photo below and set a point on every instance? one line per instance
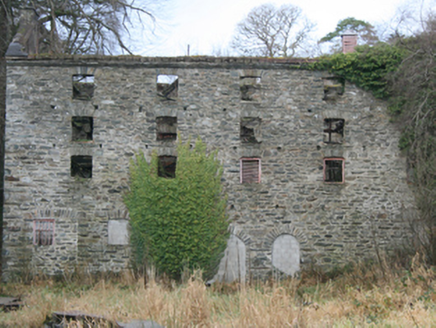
(366, 296)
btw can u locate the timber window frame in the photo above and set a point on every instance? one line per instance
(43, 232)
(250, 170)
(334, 130)
(334, 170)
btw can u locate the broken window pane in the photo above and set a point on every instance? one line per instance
(43, 232)
(166, 127)
(334, 170)
(81, 166)
(250, 170)
(334, 130)
(167, 86)
(250, 88)
(83, 86)
(82, 128)
(167, 166)
(250, 129)
(333, 88)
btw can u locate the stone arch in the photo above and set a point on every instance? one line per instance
(285, 244)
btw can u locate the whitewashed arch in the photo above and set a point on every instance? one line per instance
(286, 254)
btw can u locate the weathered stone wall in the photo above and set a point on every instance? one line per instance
(332, 223)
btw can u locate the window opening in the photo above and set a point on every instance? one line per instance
(167, 166)
(250, 129)
(83, 86)
(43, 232)
(167, 86)
(334, 130)
(166, 128)
(250, 88)
(333, 88)
(82, 128)
(250, 170)
(81, 166)
(334, 170)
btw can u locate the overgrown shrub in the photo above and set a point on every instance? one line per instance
(180, 222)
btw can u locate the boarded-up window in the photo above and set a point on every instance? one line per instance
(83, 86)
(250, 170)
(250, 129)
(334, 170)
(82, 127)
(167, 86)
(81, 166)
(166, 127)
(43, 232)
(334, 130)
(167, 166)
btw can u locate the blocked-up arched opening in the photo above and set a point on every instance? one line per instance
(232, 265)
(286, 254)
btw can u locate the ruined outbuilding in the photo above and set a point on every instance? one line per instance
(311, 163)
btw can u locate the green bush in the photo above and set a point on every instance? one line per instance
(180, 222)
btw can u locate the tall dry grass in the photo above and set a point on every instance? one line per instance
(367, 296)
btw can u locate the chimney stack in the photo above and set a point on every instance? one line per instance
(349, 41)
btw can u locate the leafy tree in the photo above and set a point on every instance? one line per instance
(414, 106)
(179, 222)
(364, 30)
(272, 31)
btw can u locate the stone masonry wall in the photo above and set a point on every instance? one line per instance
(332, 222)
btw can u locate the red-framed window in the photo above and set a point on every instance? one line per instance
(250, 170)
(334, 170)
(43, 232)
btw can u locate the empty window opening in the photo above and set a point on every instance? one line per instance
(250, 88)
(166, 128)
(83, 86)
(333, 88)
(334, 130)
(43, 232)
(250, 129)
(82, 128)
(81, 166)
(167, 86)
(334, 170)
(167, 166)
(250, 170)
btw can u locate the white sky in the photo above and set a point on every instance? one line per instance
(208, 25)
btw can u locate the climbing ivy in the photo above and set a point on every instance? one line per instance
(368, 67)
(180, 222)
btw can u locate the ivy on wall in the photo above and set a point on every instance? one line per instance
(180, 222)
(368, 67)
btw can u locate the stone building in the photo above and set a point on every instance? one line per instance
(311, 163)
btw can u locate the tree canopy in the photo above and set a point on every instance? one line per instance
(272, 31)
(71, 26)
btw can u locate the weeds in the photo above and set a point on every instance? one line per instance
(361, 295)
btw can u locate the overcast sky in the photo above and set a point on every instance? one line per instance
(208, 25)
